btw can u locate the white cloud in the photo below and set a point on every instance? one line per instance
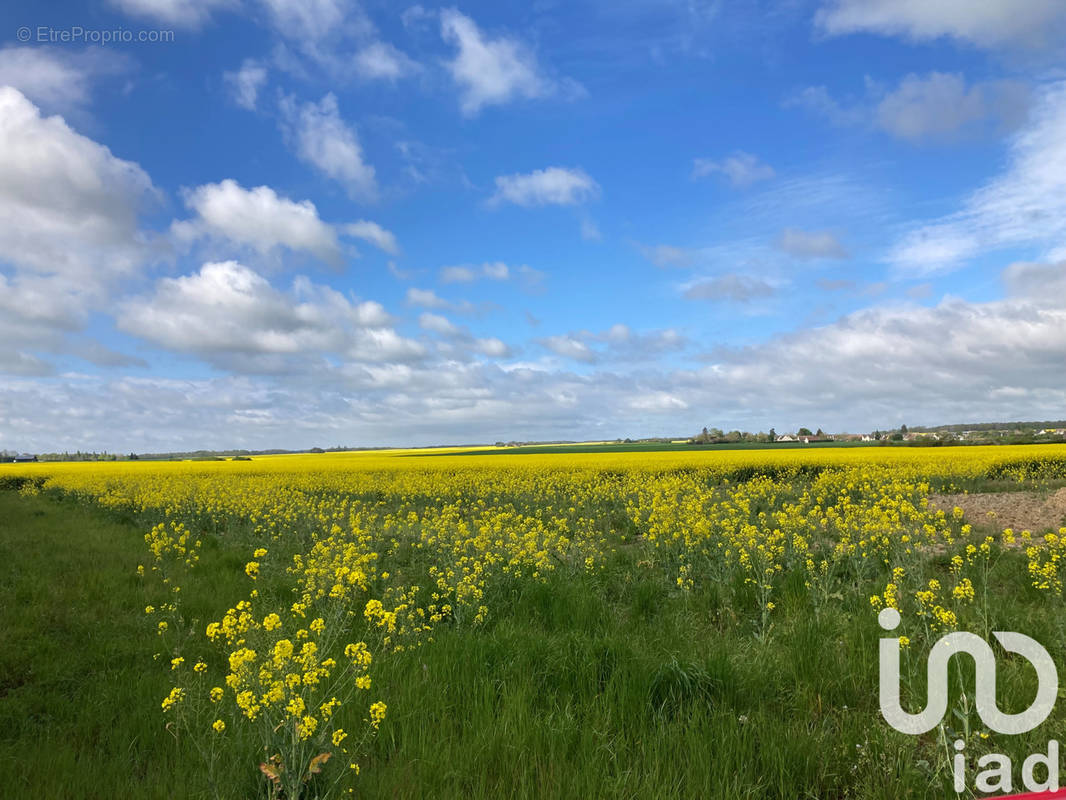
(810, 244)
(940, 105)
(435, 323)
(570, 347)
(736, 288)
(381, 61)
(489, 71)
(618, 343)
(590, 232)
(232, 317)
(934, 107)
(427, 298)
(659, 402)
(496, 271)
(68, 232)
(491, 347)
(245, 83)
(742, 169)
(58, 79)
(310, 21)
(527, 278)
(1024, 205)
(1036, 281)
(666, 255)
(322, 139)
(551, 186)
(67, 205)
(258, 218)
(989, 23)
(878, 367)
(179, 13)
(461, 336)
(375, 234)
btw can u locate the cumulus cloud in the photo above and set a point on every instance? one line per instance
(990, 24)
(67, 205)
(742, 169)
(551, 186)
(382, 61)
(666, 255)
(245, 83)
(489, 71)
(311, 21)
(618, 343)
(873, 368)
(258, 218)
(427, 298)
(461, 339)
(375, 234)
(936, 107)
(939, 105)
(179, 13)
(1036, 281)
(491, 270)
(736, 288)
(569, 347)
(1024, 205)
(810, 244)
(69, 231)
(58, 79)
(234, 318)
(325, 141)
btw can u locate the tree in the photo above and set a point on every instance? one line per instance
(902, 428)
(773, 435)
(819, 432)
(805, 432)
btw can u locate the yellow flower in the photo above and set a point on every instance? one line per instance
(271, 622)
(176, 662)
(176, 696)
(377, 713)
(219, 726)
(216, 694)
(251, 569)
(200, 667)
(338, 736)
(259, 553)
(307, 726)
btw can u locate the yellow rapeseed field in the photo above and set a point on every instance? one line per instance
(353, 557)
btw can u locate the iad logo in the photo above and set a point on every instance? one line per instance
(985, 663)
(997, 775)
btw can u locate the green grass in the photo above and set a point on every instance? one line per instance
(79, 689)
(608, 685)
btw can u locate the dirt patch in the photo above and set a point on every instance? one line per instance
(1021, 511)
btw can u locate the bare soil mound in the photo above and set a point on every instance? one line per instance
(1021, 511)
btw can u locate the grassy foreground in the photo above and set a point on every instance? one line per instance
(607, 683)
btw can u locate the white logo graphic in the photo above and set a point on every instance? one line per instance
(985, 664)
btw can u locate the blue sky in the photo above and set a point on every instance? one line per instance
(282, 224)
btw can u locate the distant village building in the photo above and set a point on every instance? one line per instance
(787, 437)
